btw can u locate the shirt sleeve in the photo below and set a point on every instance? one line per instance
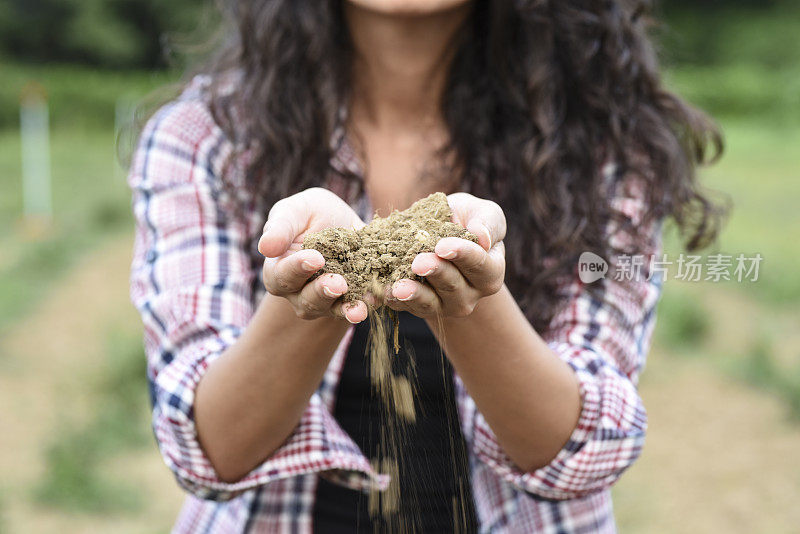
(192, 281)
(604, 335)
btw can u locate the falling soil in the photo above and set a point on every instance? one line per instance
(381, 253)
(370, 260)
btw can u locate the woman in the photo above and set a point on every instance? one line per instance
(547, 125)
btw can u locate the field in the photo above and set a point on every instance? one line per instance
(722, 385)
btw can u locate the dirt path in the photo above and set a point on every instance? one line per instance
(720, 456)
(50, 361)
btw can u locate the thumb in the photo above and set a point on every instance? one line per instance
(479, 229)
(483, 218)
(276, 238)
(283, 225)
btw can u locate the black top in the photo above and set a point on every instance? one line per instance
(434, 488)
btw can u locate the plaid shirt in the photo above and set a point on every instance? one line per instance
(196, 281)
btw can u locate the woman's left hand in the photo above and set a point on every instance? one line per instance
(459, 272)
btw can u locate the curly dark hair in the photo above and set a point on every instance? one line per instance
(540, 93)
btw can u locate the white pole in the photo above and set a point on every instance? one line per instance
(123, 120)
(35, 133)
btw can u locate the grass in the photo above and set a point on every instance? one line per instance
(78, 96)
(739, 337)
(90, 199)
(760, 370)
(754, 92)
(683, 323)
(760, 173)
(90, 203)
(74, 478)
(756, 98)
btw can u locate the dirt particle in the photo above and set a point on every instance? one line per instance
(370, 260)
(381, 253)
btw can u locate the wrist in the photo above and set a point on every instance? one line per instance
(278, 318)
(486, 312)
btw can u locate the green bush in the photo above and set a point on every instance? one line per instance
(735, 59)
(728, 34)
(74, 478)
(123, 33)
(682, 323)
(761, 371)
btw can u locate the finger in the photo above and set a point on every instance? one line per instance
(488, 223)
(484, 218)
(288, 275)
(278, 235)
(316, 298)
(483, 270)
(355, 312)
(445, 277)
(287, 219)
(319, 298)
(416, 298)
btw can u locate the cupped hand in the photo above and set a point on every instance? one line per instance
(458, 272)
(288, 267)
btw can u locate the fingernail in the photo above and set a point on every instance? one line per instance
(488, 236)
(330, 293)
(411, 296)
(349, 307)
(480, 230)
(449, 255)
(429, 271)
(309, 266)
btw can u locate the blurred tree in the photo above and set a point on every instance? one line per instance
(155, 19)
(722, 3)
(131, 33)
(114, 33)
(714, 32)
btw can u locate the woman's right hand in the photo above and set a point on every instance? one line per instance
(288, 267)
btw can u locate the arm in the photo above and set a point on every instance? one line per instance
(192, 280)
(558, 415)
(252, 397)
(529, 397)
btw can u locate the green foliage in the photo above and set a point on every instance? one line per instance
(78, 97)
(122, 420)
(122, 33)
(760, 171)
(682, 322)
(74, 477)
(730, 34)
(91, 203)
(760, 370)
(74, 483)
(741, 90)
(26, 278)
(736, 59)
(2, 515)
